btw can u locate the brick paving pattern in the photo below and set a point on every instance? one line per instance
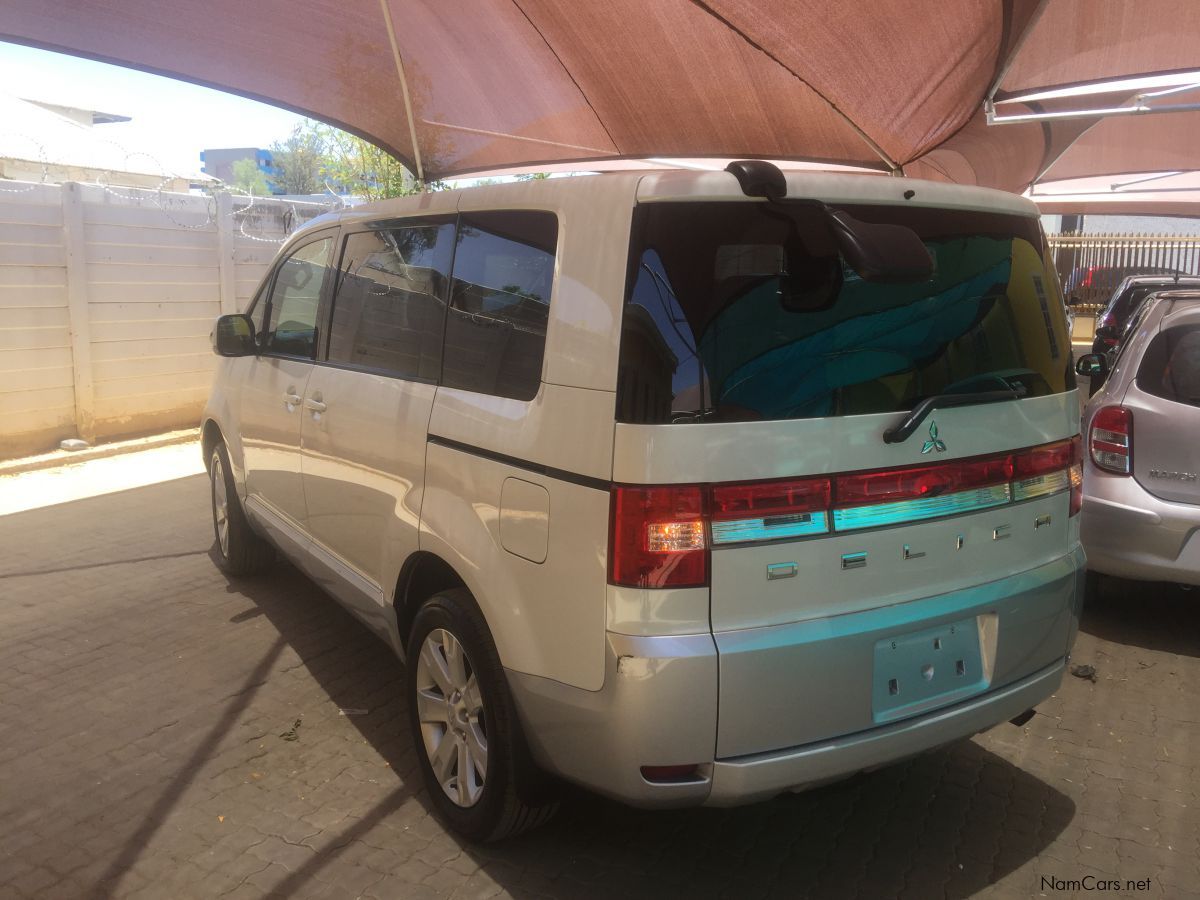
(166, 733)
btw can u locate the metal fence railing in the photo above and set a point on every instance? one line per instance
(1090, 266)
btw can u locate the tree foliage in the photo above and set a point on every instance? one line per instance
(248, 177)
(317, 158)
(365, 170)
(300, 160)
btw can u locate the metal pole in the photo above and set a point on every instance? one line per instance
(412, 127)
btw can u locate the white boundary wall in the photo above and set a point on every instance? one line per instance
(107, 298)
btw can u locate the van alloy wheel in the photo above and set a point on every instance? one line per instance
(220, 503)
(239, 551)
(450, 707)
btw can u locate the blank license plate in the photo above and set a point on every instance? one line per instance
(923, 670)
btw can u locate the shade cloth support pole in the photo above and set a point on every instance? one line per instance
(1014, 51)
(1104, 113)
(1117, 185)
(412, 126)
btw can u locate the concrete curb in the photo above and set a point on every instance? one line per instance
(58, 458)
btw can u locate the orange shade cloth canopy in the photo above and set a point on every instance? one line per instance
(489, 84)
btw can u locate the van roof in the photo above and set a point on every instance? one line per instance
(675, 185)
(837, 188)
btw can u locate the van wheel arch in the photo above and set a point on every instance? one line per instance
(210, 436)
(423, 576)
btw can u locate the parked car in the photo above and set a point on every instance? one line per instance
(1141, 504)
(1126, 299)
(690, 488)
(1096, 284)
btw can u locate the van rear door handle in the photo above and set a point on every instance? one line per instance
(315, 405)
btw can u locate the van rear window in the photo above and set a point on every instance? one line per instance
(742, 311)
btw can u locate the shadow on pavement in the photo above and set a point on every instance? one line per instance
(945, 823)
(1151, 615)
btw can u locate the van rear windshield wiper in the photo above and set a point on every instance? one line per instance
(903, 429)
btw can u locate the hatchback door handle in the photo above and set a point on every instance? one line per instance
(315, 405)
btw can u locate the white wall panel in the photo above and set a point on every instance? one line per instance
(150, 289)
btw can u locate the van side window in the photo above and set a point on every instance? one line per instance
(390, 302)
(500, 302)
(295, 295)
(1171, 366)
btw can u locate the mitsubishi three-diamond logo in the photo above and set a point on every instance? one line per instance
(934, 442)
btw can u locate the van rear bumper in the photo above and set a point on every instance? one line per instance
(760, 777)
(659, 703)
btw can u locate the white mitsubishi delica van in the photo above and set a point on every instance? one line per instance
(687, 487)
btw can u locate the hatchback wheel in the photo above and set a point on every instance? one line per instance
(239, 550)
(473, 755)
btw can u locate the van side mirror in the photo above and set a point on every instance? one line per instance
(1092, 365)
(887, 253)
(233, 335)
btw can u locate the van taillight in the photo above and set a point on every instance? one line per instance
(1110, 440)
(917, 482)
(657, 536)
(1042, 470)
(661, 536)
(770, 498)
(1046, 459)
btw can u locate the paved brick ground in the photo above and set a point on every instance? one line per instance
(144, 699)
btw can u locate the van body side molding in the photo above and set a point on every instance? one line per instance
(587, 481)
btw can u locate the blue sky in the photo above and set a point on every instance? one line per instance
(172, 120)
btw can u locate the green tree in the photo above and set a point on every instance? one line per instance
(318, 157)
(365, 170)
(247, 176)
(301, 160)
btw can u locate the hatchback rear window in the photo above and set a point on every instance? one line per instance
(1170, 367)
(742, 311)
(1132, 298)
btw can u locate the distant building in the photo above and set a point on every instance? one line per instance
(218, 163)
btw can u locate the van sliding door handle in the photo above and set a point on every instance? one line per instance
(291, 399)
(315, 405)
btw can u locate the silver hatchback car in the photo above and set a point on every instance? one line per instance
(1141, 493)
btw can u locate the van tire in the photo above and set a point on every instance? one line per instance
(242, 552)
(515, 795)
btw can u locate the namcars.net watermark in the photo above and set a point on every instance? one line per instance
(1092, 883)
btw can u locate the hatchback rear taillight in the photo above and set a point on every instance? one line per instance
(1110, 440)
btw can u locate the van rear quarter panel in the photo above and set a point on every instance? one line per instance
(547, 618)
